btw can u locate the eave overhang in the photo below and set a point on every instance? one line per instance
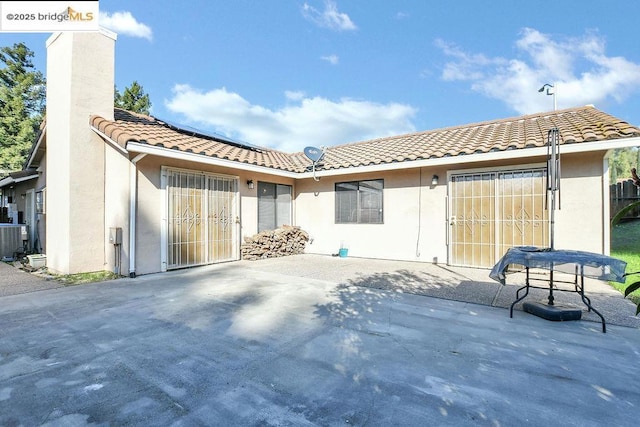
(505, 155)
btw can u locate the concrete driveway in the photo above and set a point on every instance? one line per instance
(306, 341)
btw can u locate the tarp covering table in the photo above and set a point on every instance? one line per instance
(596, 266)
(579, 263)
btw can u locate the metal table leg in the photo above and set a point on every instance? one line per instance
(518, 297)
(587, 301)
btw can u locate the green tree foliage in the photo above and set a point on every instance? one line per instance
(22, 103)
(621, 162)
(133, 99)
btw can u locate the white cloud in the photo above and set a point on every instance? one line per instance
(331, 59)
(310, 121)
(329, 17)
(294, 95)
(578, 66)
(124, 23)
(466, 66)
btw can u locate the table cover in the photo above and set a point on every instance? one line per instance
(588, 264)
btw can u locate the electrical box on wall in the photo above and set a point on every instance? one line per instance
(115, 235)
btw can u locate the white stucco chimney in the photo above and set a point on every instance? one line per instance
(80, 83)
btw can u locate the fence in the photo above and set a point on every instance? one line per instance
(622, 194)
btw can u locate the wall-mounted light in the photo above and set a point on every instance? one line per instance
(549, 92)
(434, 180)
(250, 184)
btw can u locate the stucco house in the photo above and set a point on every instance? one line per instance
(14, 189)
(20, 206)
(460, 196)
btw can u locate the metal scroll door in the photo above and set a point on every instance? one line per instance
(493, 211)
(202, 216)
(222, 219)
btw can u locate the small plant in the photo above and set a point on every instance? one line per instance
(615, 221)
(631, 288)
(81, 278)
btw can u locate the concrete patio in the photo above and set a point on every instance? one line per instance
(311, 340)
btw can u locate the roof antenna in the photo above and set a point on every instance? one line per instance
(315, 155)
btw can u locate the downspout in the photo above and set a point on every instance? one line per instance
(606, 208)
(133, 197)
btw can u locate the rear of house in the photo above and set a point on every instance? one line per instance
(132, 193)
(464, 214)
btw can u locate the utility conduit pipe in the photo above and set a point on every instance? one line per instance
(133, 197)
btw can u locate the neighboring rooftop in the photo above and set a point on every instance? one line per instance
(576, 125)
(19, 176)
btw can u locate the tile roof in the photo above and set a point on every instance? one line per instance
(129, 126)
(576, 125)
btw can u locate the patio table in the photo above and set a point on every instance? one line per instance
(580, 264)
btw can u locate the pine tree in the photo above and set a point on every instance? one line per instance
(621, 161)
(133, 99)
(22, 103)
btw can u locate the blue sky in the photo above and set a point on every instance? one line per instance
(292, 73)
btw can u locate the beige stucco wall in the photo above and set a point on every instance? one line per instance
(148, 216)
(116, 209)
(580, 222)
(80, 82)
(414, 217)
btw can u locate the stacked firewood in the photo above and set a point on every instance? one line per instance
(283, 241)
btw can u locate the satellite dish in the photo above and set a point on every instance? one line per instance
(314, 154)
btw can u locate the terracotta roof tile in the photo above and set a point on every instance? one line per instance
(576, 125)
(132, 127)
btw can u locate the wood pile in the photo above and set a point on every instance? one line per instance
(283, 241)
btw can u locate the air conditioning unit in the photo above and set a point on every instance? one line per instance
(12, 239)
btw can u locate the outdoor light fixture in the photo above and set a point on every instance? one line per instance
(434, 180)
(250, 184)
(548, 87)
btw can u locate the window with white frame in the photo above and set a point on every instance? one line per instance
(359, 202)
(274, 205)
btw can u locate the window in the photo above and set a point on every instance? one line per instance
(274, 205)
(40, 201)
(359, 202)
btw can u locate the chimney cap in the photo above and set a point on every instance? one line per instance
(102, 30)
